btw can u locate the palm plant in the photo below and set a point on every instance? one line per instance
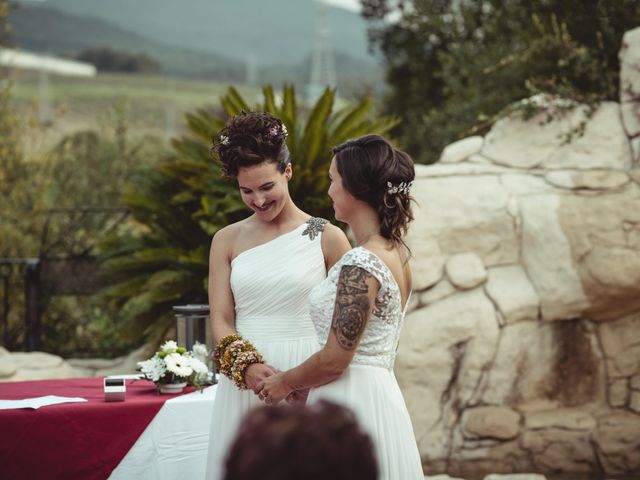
(160, 258)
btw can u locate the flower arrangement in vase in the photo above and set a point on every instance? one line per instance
(172, 367)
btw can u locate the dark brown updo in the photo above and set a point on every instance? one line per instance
(251, 138)
(379, 174)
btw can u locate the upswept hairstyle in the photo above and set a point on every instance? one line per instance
(251, 138)
(368, 166)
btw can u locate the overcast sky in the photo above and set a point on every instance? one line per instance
(348, 4)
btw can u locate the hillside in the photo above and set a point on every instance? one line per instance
(41, 28)
(274, 31)
(149, 105)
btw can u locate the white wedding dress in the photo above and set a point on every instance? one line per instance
(368, 385)
(271, 285)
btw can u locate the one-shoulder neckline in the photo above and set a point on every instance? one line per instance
(282, 235)
(404, 308)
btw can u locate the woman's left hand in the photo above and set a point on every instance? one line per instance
(273, 389)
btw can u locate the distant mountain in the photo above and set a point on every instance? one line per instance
(281, 57)
(272, 31)
(39, 28)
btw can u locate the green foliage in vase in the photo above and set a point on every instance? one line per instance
(160, 258)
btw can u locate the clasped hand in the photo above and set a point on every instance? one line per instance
(256, 373)
(273, 389)
(268, 383)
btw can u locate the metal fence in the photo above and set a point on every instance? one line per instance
(65, 265)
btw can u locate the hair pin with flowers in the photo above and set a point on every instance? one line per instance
(224, 140)
(273, 131)
(402, 187)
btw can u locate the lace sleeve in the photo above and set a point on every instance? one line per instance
(370, 262)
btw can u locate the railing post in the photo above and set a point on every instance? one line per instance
(33, 300)
(5, 272)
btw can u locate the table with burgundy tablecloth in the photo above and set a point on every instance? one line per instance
(146, 436)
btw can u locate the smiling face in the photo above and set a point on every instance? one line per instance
(343, 200)
(264, 189)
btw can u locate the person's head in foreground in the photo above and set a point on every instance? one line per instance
(370, 171)
(252, 150)
(322, 441)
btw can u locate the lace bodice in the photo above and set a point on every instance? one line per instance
(380, 337)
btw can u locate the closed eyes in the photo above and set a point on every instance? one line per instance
(264, 188)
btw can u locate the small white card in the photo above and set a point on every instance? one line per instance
(128, 376)
(38, 402)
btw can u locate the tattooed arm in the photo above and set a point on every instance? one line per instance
(355, 297)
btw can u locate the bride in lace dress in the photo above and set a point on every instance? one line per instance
(359, 308)
(261, 271)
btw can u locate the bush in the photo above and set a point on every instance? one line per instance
(84, 169)
(108, 60)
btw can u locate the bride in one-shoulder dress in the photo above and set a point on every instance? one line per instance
(261, 271)
(270, 284)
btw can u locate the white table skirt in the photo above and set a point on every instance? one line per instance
(175, 443)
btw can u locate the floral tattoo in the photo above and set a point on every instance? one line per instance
(352, 306)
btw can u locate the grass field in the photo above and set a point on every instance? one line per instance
(148, 104)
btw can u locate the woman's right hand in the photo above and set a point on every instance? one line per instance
(256, 373)
(297, 397)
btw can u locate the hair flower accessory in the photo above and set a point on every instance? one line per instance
(274, 131)
(402, 187)
(224, 140)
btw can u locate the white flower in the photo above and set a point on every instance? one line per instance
(284, 130)
(201, 352)
(170, 346)
(178, 364)
(153, 369)
(173, 363)
(224, 140)
(203, 374)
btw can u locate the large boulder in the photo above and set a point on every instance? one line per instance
(520, 352)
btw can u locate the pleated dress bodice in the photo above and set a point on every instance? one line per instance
(271, 285)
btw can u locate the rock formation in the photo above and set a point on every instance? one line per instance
(521, 351)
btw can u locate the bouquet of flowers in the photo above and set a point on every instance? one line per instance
(173, 364)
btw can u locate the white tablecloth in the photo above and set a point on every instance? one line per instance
(175, 443)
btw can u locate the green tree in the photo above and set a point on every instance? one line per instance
(161, 258)
(5, 29)
(453, 66)
(108, 60)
